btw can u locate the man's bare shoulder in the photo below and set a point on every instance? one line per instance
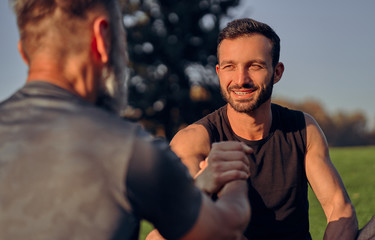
(192, 144)
(192, 135)
(192, 130)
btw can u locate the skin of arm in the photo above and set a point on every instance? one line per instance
(228, 216)
(328, 186)
(193, 145)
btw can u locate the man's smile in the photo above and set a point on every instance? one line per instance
(242, 93)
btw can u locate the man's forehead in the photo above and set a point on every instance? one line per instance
(249, 39)
(254, 44)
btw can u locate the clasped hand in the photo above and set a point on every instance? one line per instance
(226, 162)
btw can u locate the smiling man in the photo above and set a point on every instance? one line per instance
(290, 150)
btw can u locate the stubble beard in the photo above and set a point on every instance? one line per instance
(113, 94)
(251, 104)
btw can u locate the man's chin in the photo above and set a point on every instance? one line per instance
(242, 109)
(242, 106)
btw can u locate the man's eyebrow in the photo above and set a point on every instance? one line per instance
(226, 62)
(260, 61)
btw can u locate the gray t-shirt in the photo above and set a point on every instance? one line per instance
(69, 170)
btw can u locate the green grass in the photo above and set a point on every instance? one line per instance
(356, 165)
(146, 227)
(357, 169)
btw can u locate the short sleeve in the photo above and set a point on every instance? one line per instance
(160, 188)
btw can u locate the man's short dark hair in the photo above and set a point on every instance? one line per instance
(247, 27)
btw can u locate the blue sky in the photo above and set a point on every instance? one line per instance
(327, 48)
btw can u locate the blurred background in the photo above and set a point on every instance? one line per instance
(326, 46)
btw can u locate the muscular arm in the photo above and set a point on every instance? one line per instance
(226, 218)
(193, 145)
(161, 191)
(328, 186)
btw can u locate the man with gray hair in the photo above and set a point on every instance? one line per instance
(70, 168)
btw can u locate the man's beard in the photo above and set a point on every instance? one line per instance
(112, 94)
(248, 105)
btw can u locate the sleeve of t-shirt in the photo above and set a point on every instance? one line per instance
(160, 188)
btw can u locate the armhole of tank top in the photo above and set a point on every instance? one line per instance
(303, 132)
(209, 131)
(210, 126)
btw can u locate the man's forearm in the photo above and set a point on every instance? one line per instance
(343, 228)
(234, 197)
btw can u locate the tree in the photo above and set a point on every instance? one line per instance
(341, 128)
(172, 51)
(350, 129)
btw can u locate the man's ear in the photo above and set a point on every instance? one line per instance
(101, 39)
(22, 53)
(278, 73)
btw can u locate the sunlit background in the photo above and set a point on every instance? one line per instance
(328, 51)
(327, 48)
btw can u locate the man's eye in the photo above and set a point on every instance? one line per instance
(228, 67)
(255, 67)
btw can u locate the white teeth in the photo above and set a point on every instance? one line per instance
(241, 93)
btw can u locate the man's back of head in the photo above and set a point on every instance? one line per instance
(41, 21)
(77, 45)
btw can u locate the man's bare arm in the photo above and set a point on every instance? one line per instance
(328, 186)
(227, 217)
(193, 145)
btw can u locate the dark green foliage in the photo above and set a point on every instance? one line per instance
(172, 47)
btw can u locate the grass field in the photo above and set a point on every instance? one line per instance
(357, 169)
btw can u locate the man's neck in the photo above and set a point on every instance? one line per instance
(251, 126)
(71, 77)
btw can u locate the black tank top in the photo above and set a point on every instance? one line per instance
(278, 183)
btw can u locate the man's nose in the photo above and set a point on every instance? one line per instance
(243, 77)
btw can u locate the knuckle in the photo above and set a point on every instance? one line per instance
(215, 145)
(214, 155)
(216, 166)
(216, 180)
